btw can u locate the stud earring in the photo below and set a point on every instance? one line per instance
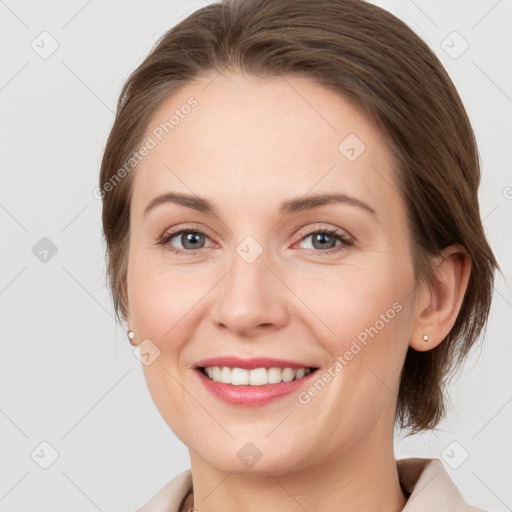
(425, 338)
(131, 336)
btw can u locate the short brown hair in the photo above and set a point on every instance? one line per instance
(369, 57)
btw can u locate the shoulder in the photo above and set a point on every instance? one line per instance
(430, 487)
(171, 495)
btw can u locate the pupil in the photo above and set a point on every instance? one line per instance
(321, 237)
(190, 238)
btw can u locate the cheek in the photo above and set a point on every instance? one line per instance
(161, 298)
(164, 304)
(355, 304)
(361, 319)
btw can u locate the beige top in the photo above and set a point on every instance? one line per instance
(425, 481)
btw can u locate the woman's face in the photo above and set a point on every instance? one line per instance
(261, 278)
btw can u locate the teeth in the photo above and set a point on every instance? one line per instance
(256, 377)
(300, 373)
(225, 375)
(288, 374)
(239, 377)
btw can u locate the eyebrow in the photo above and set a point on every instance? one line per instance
(293, 205)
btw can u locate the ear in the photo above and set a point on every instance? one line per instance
(131, 334)
(437, 306)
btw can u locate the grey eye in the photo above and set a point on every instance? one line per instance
(190, 240)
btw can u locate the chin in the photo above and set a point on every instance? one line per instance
(251, 458)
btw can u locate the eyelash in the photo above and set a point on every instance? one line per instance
(345, 241)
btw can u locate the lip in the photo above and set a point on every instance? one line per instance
(247, 395)
(251, 364)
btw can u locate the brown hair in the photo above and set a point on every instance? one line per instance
(372, 58)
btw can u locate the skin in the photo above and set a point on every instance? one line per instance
(250, 144)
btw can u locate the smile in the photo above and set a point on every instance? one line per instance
(255, 377)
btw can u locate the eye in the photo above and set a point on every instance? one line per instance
(324, 240)
(190, 239)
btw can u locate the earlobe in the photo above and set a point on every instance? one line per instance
(438, 305)
(131, 337)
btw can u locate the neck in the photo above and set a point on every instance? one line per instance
(363, 478)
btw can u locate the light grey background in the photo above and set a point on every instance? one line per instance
(67, 373)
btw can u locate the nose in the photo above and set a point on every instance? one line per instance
(251, 300)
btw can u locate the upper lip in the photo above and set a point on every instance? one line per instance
(249, 364)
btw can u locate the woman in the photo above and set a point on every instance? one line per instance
(294, 240)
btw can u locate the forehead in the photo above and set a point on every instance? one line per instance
(260, 139)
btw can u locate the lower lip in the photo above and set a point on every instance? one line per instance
(251, 396)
